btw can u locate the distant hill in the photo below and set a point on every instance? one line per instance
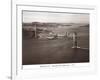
(85, 25)
(26, 24)
(42, 24)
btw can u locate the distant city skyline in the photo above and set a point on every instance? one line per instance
(29, 16)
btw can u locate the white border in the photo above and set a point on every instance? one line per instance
(49, 69)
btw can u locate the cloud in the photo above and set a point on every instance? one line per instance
(54, 17)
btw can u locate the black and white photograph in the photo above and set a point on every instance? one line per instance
(55, 37)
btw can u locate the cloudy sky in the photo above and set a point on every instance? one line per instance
(31, 16)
